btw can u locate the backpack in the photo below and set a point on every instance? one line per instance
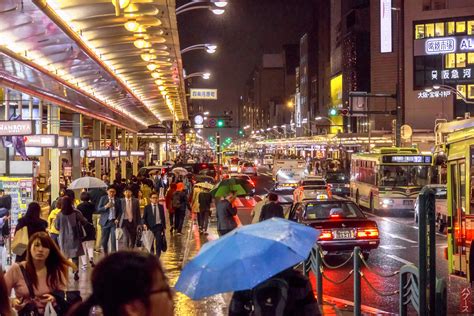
(270, 297)
(176, 201)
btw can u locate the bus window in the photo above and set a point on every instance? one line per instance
(462, 189)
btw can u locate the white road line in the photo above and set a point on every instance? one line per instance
(365, 308)
(393, 247)
(402, 238)
(399, 259)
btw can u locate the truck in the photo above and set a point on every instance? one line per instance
(288, 172)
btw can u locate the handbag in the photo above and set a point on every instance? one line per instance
(30, 309)
(164, 243)
(20, 241)
(65, 300)
(90, 232)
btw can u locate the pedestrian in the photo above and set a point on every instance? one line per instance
(257, 210)
(287, 293)
(225, 214)
(87, 208)
(5, 203)
(272, 208)
(169, 205)
(5, 309)
(106, 179)
(108, 208)
(46, 270)
(154, 220)
(142, 201)
(145, 189)
(129, 218)
(128, 283)
(180, 204)
(70, 223)
(33, 222)
(134, 186)
(195, 204)
(205, 201)
(53, 232)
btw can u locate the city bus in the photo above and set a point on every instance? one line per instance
(455, 142)
(389, 179)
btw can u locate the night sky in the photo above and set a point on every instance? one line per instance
(248, 29)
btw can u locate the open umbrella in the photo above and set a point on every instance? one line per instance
(239, 186)
(87, 183)
(246, 257)
(179, 171)
(205, 185)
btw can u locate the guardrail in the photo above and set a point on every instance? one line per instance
(409, 281)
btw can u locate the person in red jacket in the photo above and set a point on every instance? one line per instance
(169, 204)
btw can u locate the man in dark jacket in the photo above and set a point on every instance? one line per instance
(205, 201)
(109, 210)
(225, 215)
(154, 220)
(272, 209)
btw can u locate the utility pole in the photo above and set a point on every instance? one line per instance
(218, 147)
(400, 113)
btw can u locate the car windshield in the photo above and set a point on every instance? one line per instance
(314, 187)
(313, 182)
(332, 210)
(441, 194)
(248, 164)
(334, 177)
(394, 176)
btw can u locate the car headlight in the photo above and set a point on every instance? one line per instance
(387, 202)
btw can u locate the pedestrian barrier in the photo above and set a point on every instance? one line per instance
(408, 283)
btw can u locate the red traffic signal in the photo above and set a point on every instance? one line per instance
(344, 112)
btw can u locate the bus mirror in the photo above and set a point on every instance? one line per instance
(440, 159)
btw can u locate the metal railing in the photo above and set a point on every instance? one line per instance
(409, 280)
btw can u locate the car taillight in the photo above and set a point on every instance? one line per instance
(325, 235)
(335, 216)
(252, 183)
(372, 232)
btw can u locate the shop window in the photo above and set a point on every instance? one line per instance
(439, 29)
(430, 30)
(450, 61)
(462, 91)
(461, 60)
(470, 27)
(419, 31)
(461, 27)
(450, 28)
(470, 91)
(470, 58)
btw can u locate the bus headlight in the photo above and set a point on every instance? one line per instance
(387, 202)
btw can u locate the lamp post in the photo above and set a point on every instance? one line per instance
(204, 75)
(209, 48)
(216, 6)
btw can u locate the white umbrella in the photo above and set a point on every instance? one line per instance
(87, 183)
(180, 171)
(205, 185)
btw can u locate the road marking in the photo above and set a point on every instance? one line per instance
(399, 259)
(402, 238)
(394, 247)
(365, 308)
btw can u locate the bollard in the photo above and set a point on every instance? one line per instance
(357, 298)
(319, 276)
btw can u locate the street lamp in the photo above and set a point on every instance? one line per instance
(216, 6)
(204, 75)
(449, 88)
(209, 48)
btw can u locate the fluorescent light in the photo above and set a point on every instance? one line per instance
(218, 11)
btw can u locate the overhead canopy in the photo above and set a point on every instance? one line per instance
(84, 45)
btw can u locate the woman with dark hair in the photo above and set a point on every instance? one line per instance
(87, 208)
(128, 283)
(69, 223)
(33, 222)
(46, 271)
(5, 309)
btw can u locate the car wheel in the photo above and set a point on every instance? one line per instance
(365, 255)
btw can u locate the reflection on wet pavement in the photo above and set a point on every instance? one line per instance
(172, 261)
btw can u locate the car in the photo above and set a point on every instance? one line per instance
(268, 160)
(342, 223)
(248, 168)
(441, 206)
(234, 164)
(311, 188)
(338, 182)
(243, 177)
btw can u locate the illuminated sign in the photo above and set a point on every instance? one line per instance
(41, 141)
(442, 45)
(98, 153)
(123, 153)
(203, 94)
(16, 128)
(385, 26)
(433, 94)
(137, 153)
(115, 153)
(448, 76)
(408, 159)
(33, 152)
(84, 143)
(62, 143)
(298, 110)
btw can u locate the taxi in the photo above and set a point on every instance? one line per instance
(312, 188)
(342, 223)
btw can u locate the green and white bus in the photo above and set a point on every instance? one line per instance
(389, 178)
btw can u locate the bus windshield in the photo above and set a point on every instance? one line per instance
(395, 176)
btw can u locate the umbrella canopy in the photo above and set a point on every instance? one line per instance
(239, 186)
(246, 257)
(180, 171)
(87, 183)
(205, 185)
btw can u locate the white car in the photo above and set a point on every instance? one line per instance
(248, 168)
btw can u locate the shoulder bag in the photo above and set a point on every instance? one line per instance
(65, 300)
(30, 309)
(20, 241)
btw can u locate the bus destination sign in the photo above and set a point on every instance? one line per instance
(412, 159)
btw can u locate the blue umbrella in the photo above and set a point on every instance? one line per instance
(246, 257)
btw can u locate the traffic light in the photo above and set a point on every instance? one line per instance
(332, 111)
(241, 132)
(220, 123)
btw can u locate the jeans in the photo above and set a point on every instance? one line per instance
(180, 214)
(108, 232)
(88, 252)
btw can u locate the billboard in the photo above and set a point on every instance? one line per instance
(203, 94)
(385, 26)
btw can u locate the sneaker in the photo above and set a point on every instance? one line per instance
(84, 267)
(92, 263)
(76, 276)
